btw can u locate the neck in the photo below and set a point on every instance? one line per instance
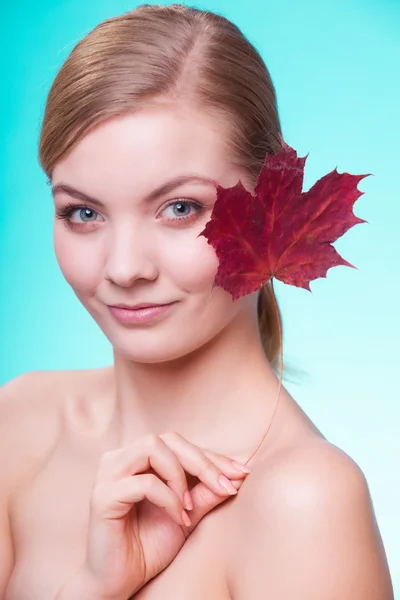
(220, 396)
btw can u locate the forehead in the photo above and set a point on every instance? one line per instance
(144, 148)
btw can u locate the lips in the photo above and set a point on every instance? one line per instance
(137, 306)
(140, 313)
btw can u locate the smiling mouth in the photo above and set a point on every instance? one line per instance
(139, 305)
(143, 314)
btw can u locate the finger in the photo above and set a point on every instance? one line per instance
(194, 461)
(231, 468)
(144, 454)
(169, 455)
(132, 458)
(114, 501)
(205, 500)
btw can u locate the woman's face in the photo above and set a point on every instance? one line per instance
(127, 244)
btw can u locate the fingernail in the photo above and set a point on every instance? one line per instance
(239, 467)
(185, 518)
(187, 500)
(227, 485)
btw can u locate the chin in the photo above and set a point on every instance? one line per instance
(154, 352)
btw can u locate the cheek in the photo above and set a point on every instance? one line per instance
(79, 261)
(191, 264)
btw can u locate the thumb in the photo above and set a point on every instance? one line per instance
(204, 500)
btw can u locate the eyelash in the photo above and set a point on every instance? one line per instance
(66, 211)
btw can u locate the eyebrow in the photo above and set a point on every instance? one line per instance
(163, 189)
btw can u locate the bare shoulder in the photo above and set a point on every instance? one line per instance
(306, 525)
(307, 471)
(32, 409)
(29, 421)
(27, 403)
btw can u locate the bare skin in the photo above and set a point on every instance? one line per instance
(199, 371)
(48, 493)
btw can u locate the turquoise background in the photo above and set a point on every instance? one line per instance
(335, 66)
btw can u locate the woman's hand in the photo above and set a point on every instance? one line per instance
(136, 526)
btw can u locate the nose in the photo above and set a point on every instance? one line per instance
(129, 256)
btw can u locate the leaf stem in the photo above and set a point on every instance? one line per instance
(280, 369)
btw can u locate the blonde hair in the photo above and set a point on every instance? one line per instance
(170, 55)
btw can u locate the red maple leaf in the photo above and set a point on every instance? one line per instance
(281, 231)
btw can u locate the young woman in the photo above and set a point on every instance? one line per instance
(146, 112)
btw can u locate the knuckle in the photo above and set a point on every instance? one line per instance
(152, 440)
(149, 481)
(105, 463)
(107, 457)
(207, 466)
(171, 435)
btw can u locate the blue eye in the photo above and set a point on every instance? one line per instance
(85, 213)
(181, 209)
